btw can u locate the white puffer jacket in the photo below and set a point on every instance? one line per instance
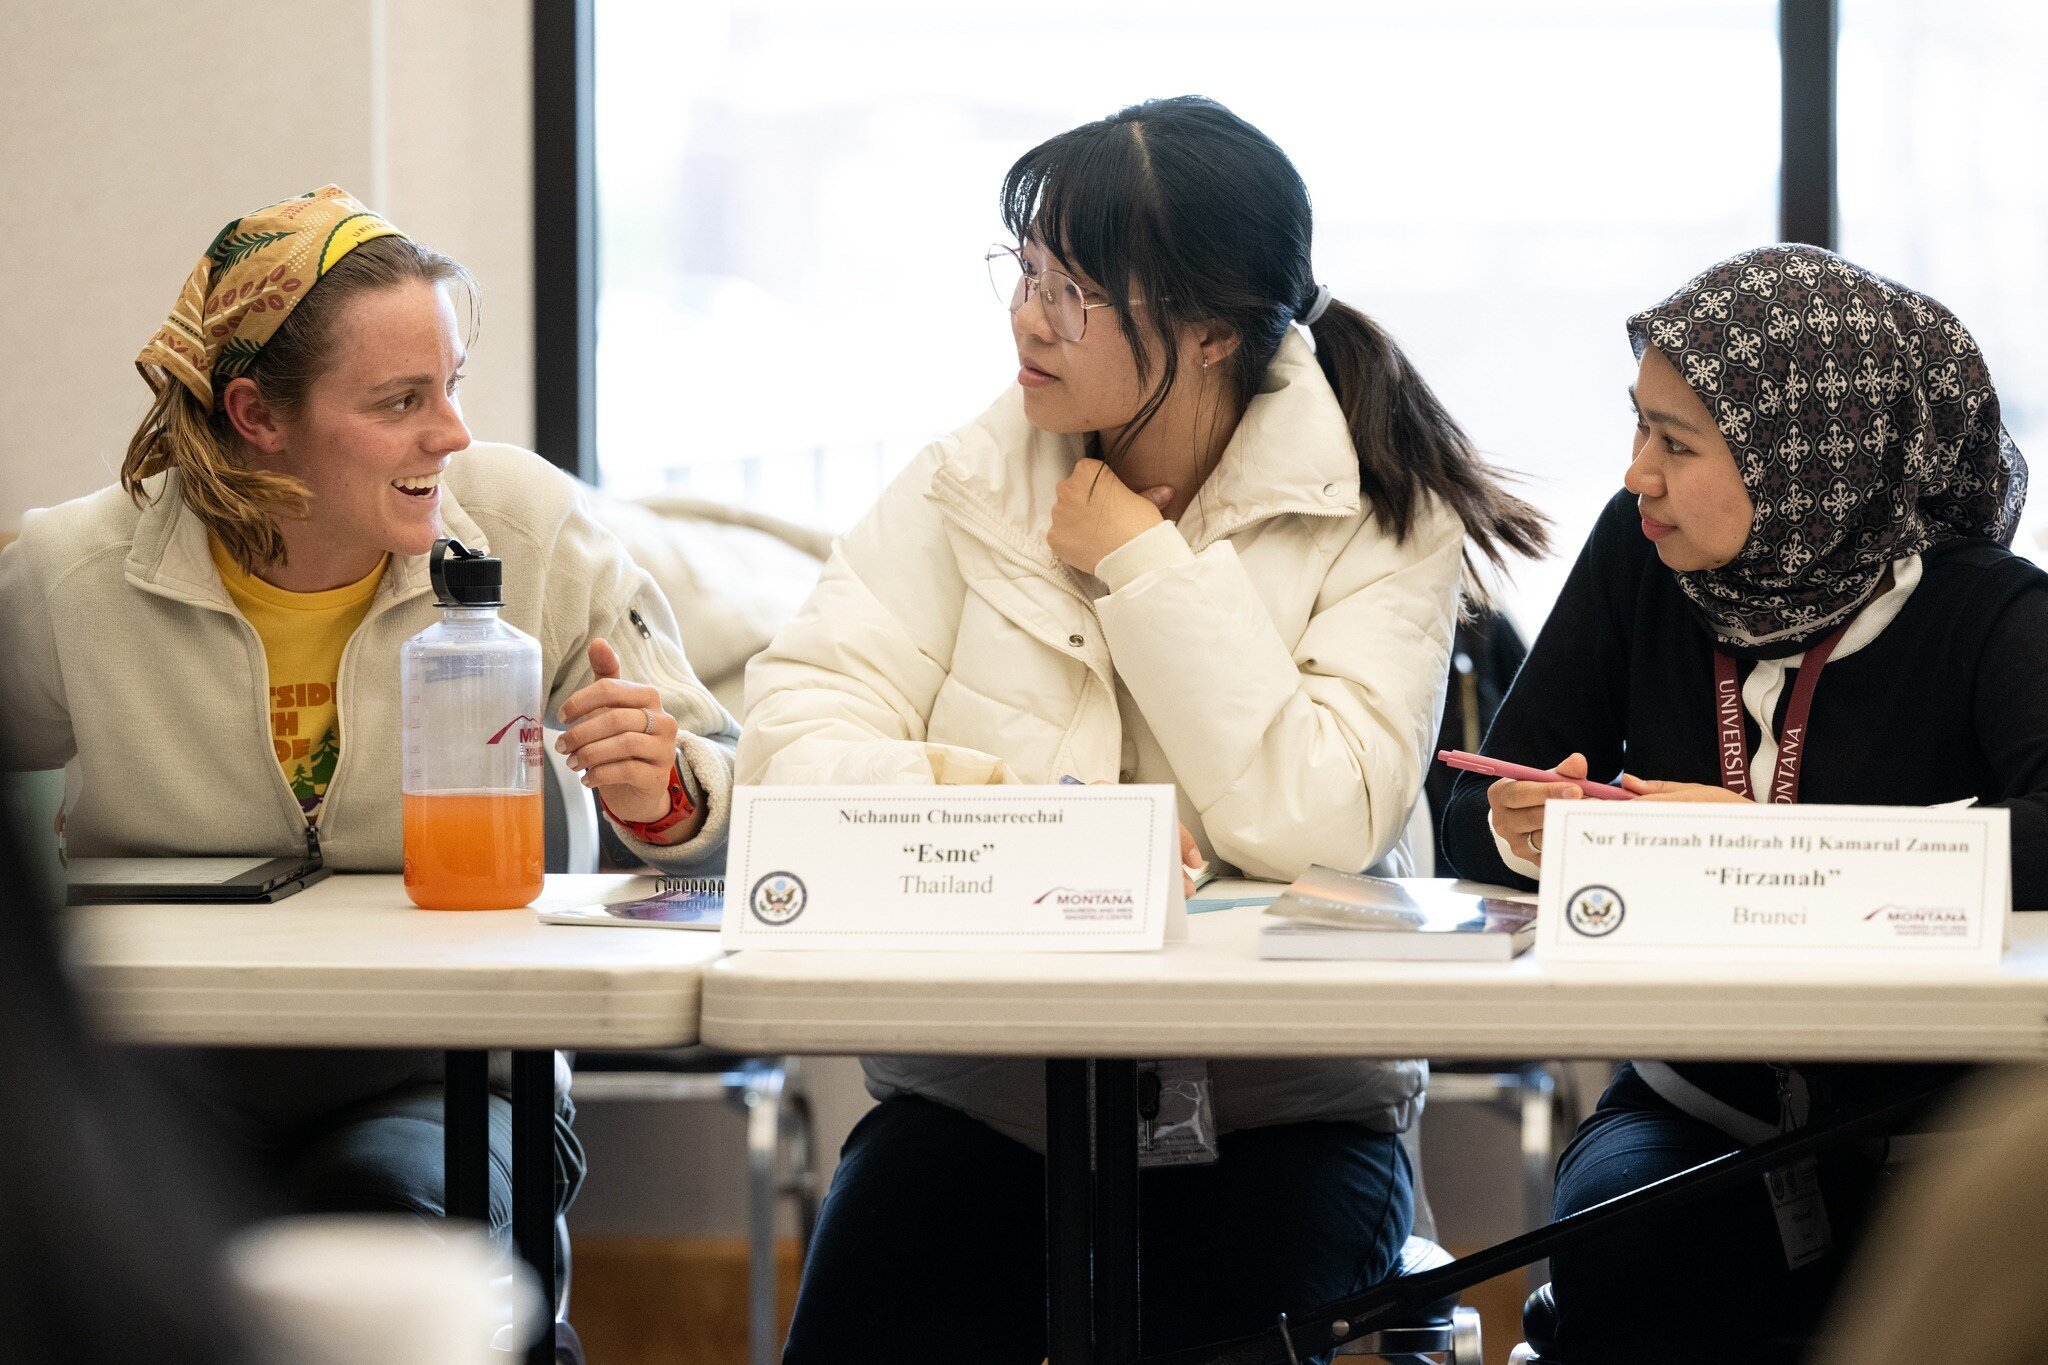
(1285, 651)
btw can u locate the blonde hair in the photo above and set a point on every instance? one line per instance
(242, 505)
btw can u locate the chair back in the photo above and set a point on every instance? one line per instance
(571, 815)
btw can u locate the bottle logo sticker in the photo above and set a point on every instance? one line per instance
(529, 738)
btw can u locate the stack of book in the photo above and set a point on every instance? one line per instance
(1332, 914)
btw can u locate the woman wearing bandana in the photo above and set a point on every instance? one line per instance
(1819, 477)
(211, 647)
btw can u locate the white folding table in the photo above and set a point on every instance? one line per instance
(350, 962)
(1093, 1015)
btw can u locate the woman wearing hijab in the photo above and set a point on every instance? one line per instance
(211, 647)
(1819, 477)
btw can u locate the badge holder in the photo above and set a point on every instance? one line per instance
(1795, 1189)
(1176, 1118)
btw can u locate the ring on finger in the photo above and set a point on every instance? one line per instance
(1535, 841)
(650, 721)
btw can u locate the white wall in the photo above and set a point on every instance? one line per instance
(131, 130)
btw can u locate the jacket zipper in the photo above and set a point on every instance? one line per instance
(994, 535)
(970, 522)
(340, 738)
(250, 636)
(341, 672)
(255, 641)
(255, 644)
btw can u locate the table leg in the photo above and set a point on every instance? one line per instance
(1069, 1204)
(533, 1182)
(1116, 1213)
(466, 1136)
(1091, 1212)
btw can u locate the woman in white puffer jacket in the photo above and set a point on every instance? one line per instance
(1186, 548)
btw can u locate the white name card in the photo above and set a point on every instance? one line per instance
(1643, 881)
(1036, 869)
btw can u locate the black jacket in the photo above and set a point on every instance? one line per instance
(1950, 701)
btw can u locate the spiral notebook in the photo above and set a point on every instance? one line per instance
(677, 903)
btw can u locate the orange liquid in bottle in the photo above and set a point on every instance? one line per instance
(473, 850)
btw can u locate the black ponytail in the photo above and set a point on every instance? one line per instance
(1409, 445)
(1182, 203)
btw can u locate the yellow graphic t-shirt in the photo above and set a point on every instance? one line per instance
(303, 634)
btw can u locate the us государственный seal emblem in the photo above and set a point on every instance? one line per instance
(778, 898)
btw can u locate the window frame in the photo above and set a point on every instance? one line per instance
(565, 276)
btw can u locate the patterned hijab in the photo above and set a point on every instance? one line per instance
(1864, 423)
(248, 282)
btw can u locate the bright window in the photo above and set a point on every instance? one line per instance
(1944, 184)
(794, 197)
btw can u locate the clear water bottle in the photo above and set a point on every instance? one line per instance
(470, 691)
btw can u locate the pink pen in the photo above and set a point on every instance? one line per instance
(1493, 767)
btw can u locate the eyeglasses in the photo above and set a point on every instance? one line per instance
(1015, 280)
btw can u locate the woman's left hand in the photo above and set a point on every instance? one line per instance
(1095, 514)
(1191, 861)
(621, 740)
(1647, 790)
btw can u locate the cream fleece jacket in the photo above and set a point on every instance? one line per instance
(126, 661)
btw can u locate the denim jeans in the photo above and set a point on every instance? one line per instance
(931, 1243)
(1707, 1282)
(385, 1156)
(355, 1131)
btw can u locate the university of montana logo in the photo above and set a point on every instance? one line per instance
(530, 752)
(529, 730)
(1076, 904)
(778, 898)
(1594, 911)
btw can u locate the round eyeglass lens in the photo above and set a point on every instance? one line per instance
(1006, 277)
(1064, 305)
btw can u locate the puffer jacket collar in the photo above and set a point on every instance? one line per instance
(1290, 455)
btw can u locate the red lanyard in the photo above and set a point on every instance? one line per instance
(1791, 739)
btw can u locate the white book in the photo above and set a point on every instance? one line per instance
(1344, 915)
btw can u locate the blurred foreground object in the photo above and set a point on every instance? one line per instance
(113, 1214)
(1956, 1266)
(380, 1290)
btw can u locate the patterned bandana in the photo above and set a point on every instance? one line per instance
(1863, 420)
(248, 282)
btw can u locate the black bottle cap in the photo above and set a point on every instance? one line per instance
(464, 577)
